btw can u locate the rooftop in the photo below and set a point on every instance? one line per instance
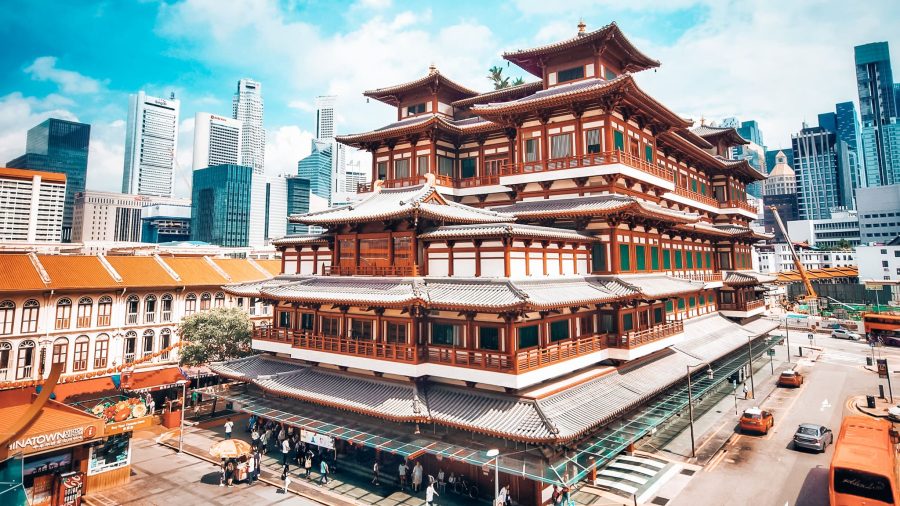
(50, 177)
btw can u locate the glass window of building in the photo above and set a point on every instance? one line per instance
(570, 74)
(80, 354)
(467, 167)
(131, 309)
(63, 313)
(561, 146)
(104, 311)
(361, 329)
(401, 168)
(101, 351)
(85, 307)
(488, 338)
(446, 334)
(559, 330)
(592, 140)
(529, 336)
(7, 316)
(331, 327)
(60, 352)
(30, 312)
(395, 332)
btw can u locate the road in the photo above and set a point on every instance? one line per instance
(757, 470)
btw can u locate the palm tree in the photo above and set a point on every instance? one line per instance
(517, 81)
(495, 74)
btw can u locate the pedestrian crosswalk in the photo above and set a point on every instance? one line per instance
(627, 475)
(842, 358)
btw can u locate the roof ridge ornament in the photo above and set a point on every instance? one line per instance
(581, 27)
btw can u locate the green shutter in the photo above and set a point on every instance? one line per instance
(640, 254)
(627, 322)
(657, 315)
(700, 260)
(692, 302)
(598, 257)
(703, 188)
(680, 303)
(690, 259)
(667, 259)
(678, 263)
(702, 300)
(648, 153)
(618, 140)
(654, 258)
(669, 306)
(624, 260)
(528, 336)
(708, 260)
(559, 330)
(694, 185)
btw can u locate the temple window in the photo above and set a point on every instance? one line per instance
(489, 338)
(445, 166)
(402, 250)
(609, 74)
(373, 252)
(598, 257)
(624, 257)
(422, 164)
(679, 264)
(446, 334)
(361, 329)
(570, 74)
(560, 146)
(401, 169)
(640, 257)
(331, 326)
(592, 140)
(492, 166)
(667, 259)
(658, 315)
(284, 319)
(467, 167)
(627, 322)
(586, 325)
(559, 330)
(608, 323)
(415, 109)
(529, 336)
(382, 170)
(654, 258)
(648, 153)
(306, 321)
(618, 140)
(531, 150)
(395, 332)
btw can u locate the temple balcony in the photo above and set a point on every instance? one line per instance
(742, 309)
(613, 162)
(740, 207)
(638, 343)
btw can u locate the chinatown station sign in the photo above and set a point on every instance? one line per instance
(34, 443)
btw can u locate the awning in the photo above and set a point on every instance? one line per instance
(153, 380)
(200, 371)
(56, 426)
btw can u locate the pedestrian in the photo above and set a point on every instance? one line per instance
(503, 496)
(222, 474)
(430, 494)
(286, 476)
(401, 473)
(323, 470)
(285, 450)
(254, 438)
(228, 426)
(151, 404)
(264, 441)
(251, 468)
(556, 496)
(441, 483)
(417, 477)
(307, 463)
(229, 472)
(251, 423)
(375, 474)
(746, 391)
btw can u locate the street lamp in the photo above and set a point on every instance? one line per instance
(750, 361)
(691, 401)
(183, 384)
(495, 454)
(787, 336)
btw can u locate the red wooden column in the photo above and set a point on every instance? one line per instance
(315, 250)
(544, 245)
(477, 244)
(545, 143)
(608, 131)
(511, 343)
(528, 258)
(614, 248)
(450, 257)
(507, 245)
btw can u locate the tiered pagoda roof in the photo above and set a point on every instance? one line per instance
(714, 134)
(608, 39)
(501, 95)
(505, 230)
(599, 205)
(421, 124)
(432, 82)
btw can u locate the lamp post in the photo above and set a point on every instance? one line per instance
(691, 401)
(750, 361)
(183, 384)
(495, 454)
(787, 337)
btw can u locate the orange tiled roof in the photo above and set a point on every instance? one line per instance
(18, 274)
(240, 270)
(814, 274)
(194, 271)
(141, 271)
(53, 417)
(273, 266)
(52, 177)
(76, 272)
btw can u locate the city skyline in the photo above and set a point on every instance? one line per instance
(191, 52)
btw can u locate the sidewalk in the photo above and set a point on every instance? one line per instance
(879, 411)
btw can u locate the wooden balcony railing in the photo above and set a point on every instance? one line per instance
(637, 338)
(369, 270)
(356, 347)
(557, 352)
(406, 181)
(749, 305)
(469, 182)
(737, 204)
(588, 160)
(479, 359)
(707, 277)
(699, 197)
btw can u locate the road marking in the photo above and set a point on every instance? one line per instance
(715, 461)
(825, 405)
(716, 431)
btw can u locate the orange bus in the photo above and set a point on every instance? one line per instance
(863, 468)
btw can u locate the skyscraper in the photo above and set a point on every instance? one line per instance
(298, 202)
(317, 168)
(31, 205)
(217, 140)
(220, 205)
(59, 146)
(816, 169)
(325, 117)
(750, 131)
(847, 124)
(151, 142)
(780, 191)
(754, 151)
(878, 110)
(248, 109)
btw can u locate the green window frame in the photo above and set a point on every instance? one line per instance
(694, 185)
(284, 319)
(618, 140)
(654, 258)
(658, 315)
(570, 74)
(702, 188)
(608, 323)
(640, 257)
(559, 330)
(528, 336)
(627, 322)
(692, 302)
(624, 257)
(667, 259)
(307, 321)
(467, 167)
(669, 306)
(699, 260)
(489, 338)
(680, 303)
(446, 334)
(648, 153)
(690, 259)
(708, 260)
(678, 262)
(598, 257)
(702, 300)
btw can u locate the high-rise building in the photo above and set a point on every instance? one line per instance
(298, 202)
(317, 168)
(780, 191)
(847, 124)
(113, 217)
(879, 213)
(248, 109)
(151, 143)
(166, 223)
(217, 140)
(220, 205)
(325, 117)
(58, 145)
(828, 121)
(816, 169)
(878, 110)
(276, 207)
(750, 131)
(32, 204)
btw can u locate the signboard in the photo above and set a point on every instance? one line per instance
(127, 426)
(770, 352)
(320, 440)
(43, 441)
(810, 336)
(114, 453)
(882, 368)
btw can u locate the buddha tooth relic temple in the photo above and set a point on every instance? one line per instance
(533, 270)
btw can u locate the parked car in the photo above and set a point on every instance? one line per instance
(813, 437)
(756, 420)
(845, 334)
(894, 413)
(790, 379)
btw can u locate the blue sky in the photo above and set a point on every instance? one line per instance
(773, 61)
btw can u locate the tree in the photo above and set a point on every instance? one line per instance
(495, 74)
(844, 244)
(215, 335)
(517, 81)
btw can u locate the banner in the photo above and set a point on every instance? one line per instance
(320, 440)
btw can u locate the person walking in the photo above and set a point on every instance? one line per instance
(746, 391)
(285, 450)
(307, 463)
(228, 426)
(503, 496)
(254, 438)
(286, 476)
(264, 440)
(430, 494)
(251, 468)
(251, 423)
(556, 496)
(417, 477)
(401, 474)
(323, 470)
(375, 474)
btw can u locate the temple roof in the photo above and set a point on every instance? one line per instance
(501, 95)
(434, 79)
(714, 134)
(609, 38)
(587, 89)
(695, 139)
(691, 149)
(594, 206)
(420, 124)
(505, 230)
(292, 240)
(421, 201)
(738, 278)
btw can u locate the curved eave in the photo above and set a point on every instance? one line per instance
(632, 208)
(390, 94)
(695, 139)
(436, 123)
(729, 135)
(508, 92)
(340, 406)
(707, 160)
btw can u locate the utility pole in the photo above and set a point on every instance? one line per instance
(750, 362)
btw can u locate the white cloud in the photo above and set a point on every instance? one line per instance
(373, 4)
(44, 69)
(285, 146)
(19, 113)
(106, 159)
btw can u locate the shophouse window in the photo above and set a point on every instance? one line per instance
(130, 346)
(150, 309)
(101, 351)
(85, 307)
(131, 309)
(30, 311)
(7, 316)
(165, 340)
(60, 352)
(166, 314)
(104, 311)
(5, 352)
(446, 334)
(25, 360)
(63, 313)
(529, 336)
(80, 354)
(147, 348)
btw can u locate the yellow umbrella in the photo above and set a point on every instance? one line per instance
(230, 449)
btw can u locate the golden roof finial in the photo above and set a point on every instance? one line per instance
(702, 120)
(432, 68)
(581, 27)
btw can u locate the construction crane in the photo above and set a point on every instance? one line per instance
(811, 299)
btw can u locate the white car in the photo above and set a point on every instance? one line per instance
(894, 413)
(845, 334)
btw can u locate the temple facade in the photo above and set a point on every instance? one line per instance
(530, 267)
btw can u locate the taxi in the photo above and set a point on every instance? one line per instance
(756, 420)
(790, 379)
